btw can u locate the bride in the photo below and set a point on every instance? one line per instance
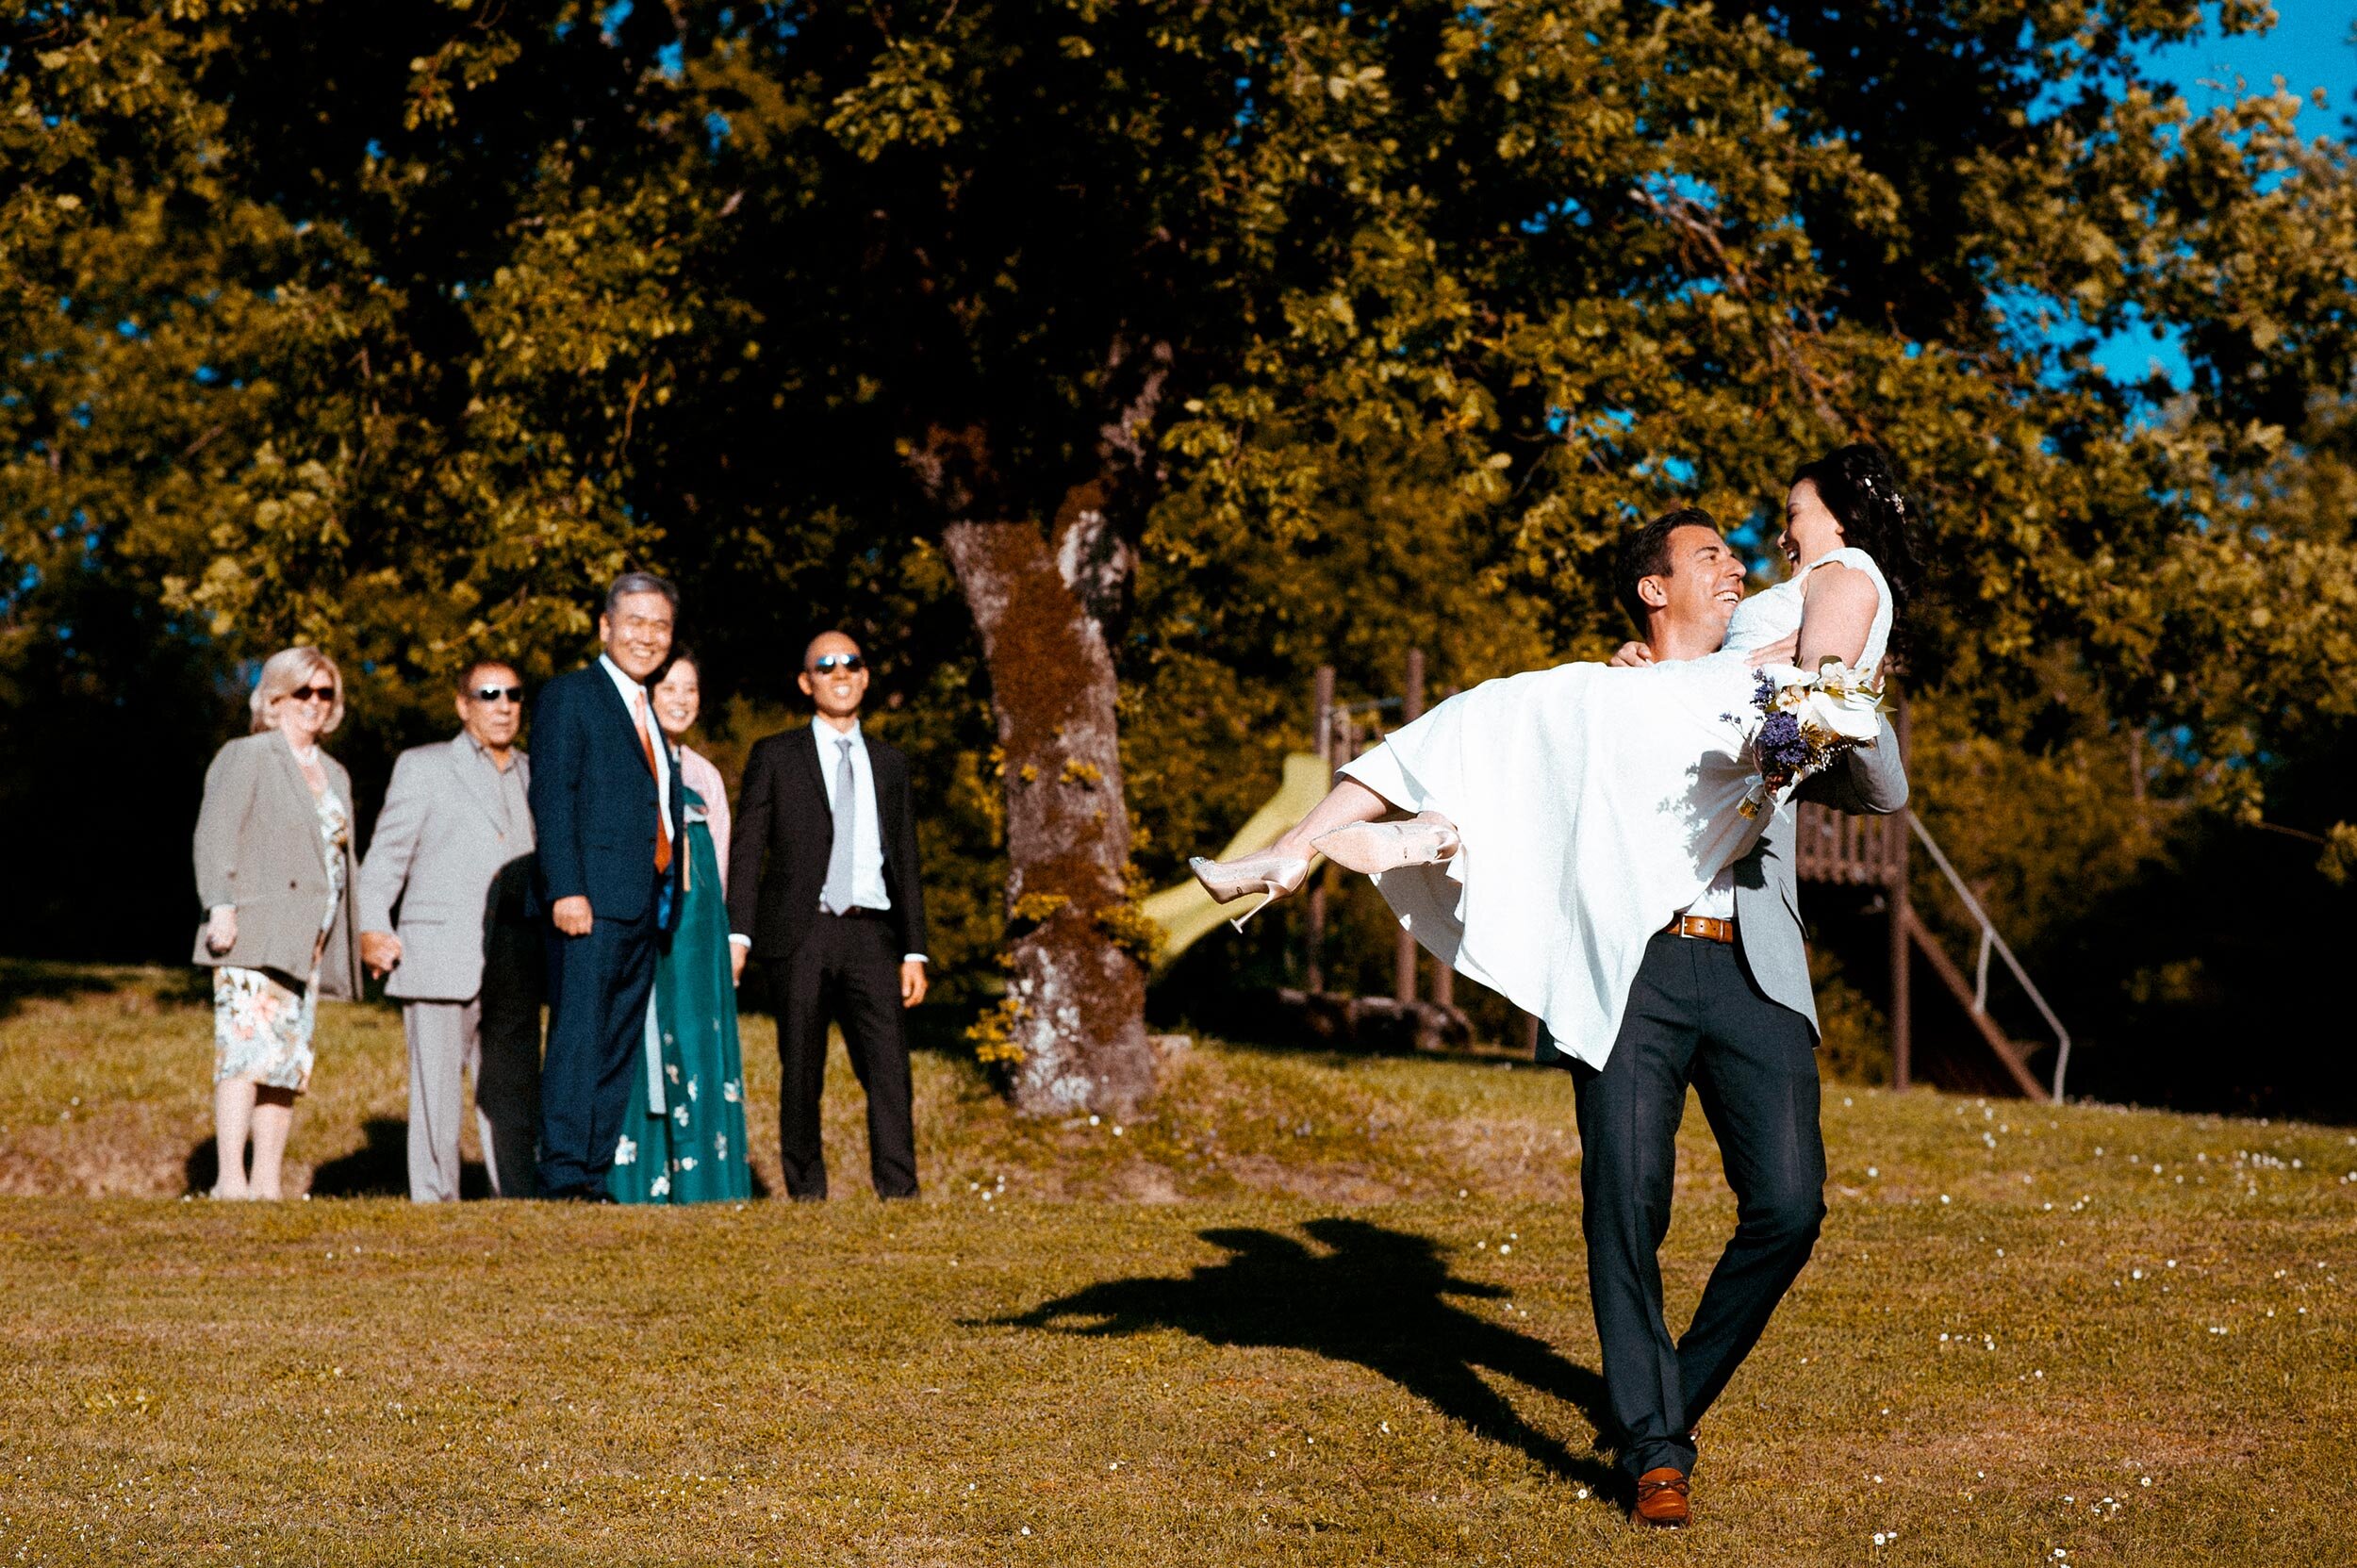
(1556, 820)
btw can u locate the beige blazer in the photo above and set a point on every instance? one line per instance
(258, 850)
(456, 863)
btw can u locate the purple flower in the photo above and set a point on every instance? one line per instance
(1781, 745)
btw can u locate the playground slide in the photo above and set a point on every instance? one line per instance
(1186, 912)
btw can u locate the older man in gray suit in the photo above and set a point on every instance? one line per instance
(453, 853)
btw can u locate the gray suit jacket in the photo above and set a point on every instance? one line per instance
(440, 856)
(257, 849)
(1869, 781)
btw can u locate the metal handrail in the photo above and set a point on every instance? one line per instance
(1990, 939)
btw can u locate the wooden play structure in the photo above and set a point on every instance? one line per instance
(1856, 851)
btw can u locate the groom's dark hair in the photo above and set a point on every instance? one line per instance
(1645, 552)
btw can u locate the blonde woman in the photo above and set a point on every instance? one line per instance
(274, 869)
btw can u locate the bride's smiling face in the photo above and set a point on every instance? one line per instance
(1810, 529)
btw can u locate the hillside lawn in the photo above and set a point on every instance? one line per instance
(1309, 1310)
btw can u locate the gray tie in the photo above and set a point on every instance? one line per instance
(836, 895)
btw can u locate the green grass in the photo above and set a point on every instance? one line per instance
(1309, 1310)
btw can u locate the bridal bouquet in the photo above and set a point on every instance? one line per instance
(1808, 720)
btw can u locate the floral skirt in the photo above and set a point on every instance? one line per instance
(262, 1028)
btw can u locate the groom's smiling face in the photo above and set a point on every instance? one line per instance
(1704, 584)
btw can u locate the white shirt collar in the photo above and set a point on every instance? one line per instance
(828, 735)
(623, 682)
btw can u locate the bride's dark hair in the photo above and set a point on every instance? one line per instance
(1861, 489)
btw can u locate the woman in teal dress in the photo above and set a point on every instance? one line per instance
(684, 1140)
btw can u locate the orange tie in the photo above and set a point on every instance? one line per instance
(662, 823)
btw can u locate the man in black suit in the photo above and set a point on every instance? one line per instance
(823, 891)
(608, 810)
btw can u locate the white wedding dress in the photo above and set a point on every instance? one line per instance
(1593, 803)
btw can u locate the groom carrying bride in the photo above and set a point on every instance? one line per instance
(1721, 1002)
(1605, 848)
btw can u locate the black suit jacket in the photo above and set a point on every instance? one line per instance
(593, 801)
(783, 832)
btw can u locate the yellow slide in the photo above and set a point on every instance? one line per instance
(1186, 912)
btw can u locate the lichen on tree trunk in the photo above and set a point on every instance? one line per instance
(1074, 1011)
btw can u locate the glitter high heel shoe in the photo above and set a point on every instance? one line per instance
(1374, 847)
(1267, 872)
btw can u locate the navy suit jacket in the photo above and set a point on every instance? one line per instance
(594, 803)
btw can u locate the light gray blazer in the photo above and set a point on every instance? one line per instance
(1871, 782)
(257, 849)
(439, 855)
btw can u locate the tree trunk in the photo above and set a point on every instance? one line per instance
(1073, 1024)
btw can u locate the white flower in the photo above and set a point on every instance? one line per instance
(679, 1115)
(731, 1091)
(720, 1145)
(692, 1092)
(661, 1187)
(626, 1153)
(688, 1162)
(1852, 716)
(672, 1071)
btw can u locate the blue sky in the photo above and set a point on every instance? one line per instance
(2309, 48)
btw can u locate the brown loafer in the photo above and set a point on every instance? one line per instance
(1661, 1499)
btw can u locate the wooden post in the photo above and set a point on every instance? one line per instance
(1902, 921)
(1313, 973)
(1404, 953)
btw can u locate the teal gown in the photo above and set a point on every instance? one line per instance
(684, 1140)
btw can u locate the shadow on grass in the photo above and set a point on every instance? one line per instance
(378, 1169)
(24, 980)
(1378, 1299)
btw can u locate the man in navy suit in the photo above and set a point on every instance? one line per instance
(608, 808)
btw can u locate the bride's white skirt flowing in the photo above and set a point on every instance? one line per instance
(1594, 803)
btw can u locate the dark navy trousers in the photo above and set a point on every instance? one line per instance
(598, 990)
(1694, 1017)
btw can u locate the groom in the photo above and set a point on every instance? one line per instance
(1721, 1003)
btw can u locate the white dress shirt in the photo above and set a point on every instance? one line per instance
(641, 711)
(867, 878)
(1717, 899)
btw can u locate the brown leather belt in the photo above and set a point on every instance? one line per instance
(1700, 926)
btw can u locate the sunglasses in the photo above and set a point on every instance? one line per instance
(311, 693)
(492, 694)
(828, 663)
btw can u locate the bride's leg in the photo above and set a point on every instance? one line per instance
(1348, 801)
(1280, 869)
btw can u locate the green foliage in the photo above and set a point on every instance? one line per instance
(1377, 326)
(1854, 1035)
